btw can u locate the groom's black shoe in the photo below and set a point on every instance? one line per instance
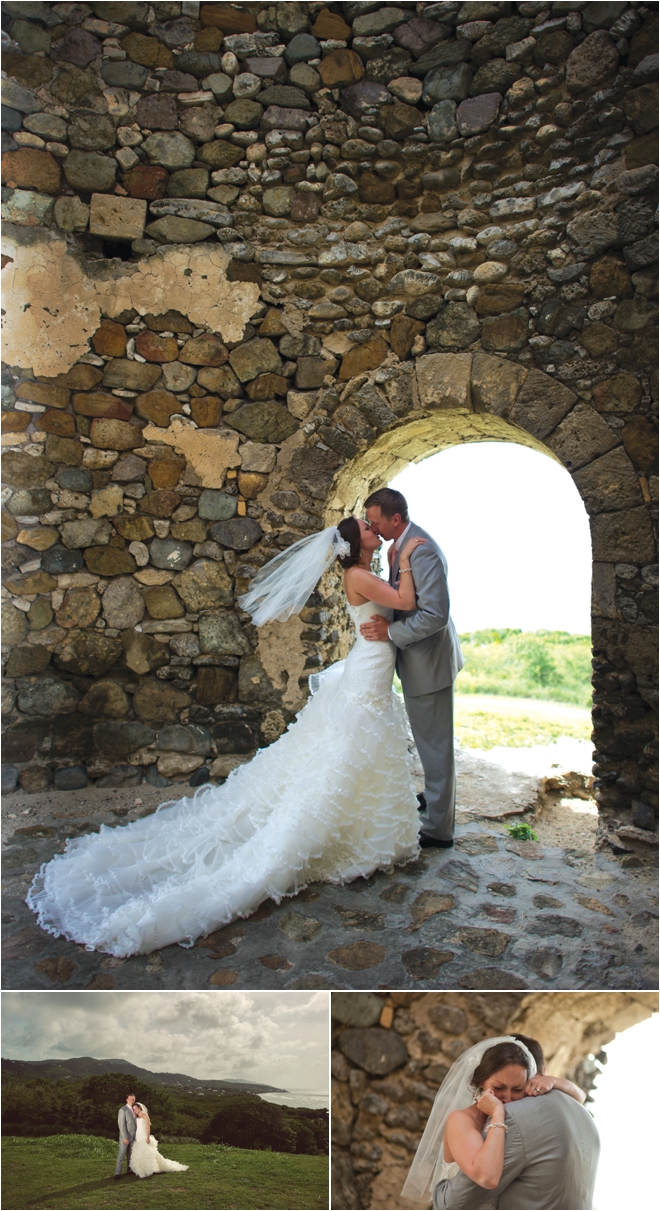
(426, 842)
(117, 1176)
(421, 798)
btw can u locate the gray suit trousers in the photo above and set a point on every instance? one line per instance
(432, 721)
(124, 1151)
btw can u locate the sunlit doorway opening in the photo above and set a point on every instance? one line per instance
(625, 1113)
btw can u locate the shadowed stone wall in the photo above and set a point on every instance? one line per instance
(392, 1051)
(258, 259)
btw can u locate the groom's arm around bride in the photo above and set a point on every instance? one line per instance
(550, 1160)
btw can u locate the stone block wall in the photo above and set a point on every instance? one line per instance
(391, 1052)
(257, 258)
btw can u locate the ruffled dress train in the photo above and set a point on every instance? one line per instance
(146, 1159)
(331, 800)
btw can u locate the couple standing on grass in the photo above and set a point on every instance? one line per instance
(138, 1145)
(333, 799)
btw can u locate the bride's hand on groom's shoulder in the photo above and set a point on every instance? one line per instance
(412, 545)
(538, 1085)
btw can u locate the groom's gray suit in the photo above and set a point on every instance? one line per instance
(127, 1127)
(428, 661)
(551, 1157)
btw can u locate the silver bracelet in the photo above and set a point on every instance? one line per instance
(401, 570)
(502, 1125)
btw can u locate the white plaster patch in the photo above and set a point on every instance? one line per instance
(280, 652)
(210, 452)
(52, 306)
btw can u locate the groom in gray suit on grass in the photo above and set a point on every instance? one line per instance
(550, 1160)
(127, 1127)
(428, 660)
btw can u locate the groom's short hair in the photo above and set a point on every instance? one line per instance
(129, 1095)
(535, 1048)
(389, 501)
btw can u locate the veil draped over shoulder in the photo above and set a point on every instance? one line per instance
(455, 1093)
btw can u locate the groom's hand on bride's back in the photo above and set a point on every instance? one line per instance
(376, 628)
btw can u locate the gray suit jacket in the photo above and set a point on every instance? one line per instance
(429, 654)
(126, 1123)
(551, 1157)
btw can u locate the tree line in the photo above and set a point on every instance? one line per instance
(89, 1107)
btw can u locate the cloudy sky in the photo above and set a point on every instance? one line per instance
(280, 1038)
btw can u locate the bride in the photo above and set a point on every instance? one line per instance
(331, 800)
(466, 1131)
(145, 1157)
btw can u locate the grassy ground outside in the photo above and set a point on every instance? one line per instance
(490, 722)
(550, 665)
(75, 1172)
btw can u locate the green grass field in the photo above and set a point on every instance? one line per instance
(494, 727)
(551, 665)
(75, 1171)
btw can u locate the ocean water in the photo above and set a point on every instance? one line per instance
(299, 1097)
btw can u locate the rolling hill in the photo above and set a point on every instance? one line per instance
(86, 1066)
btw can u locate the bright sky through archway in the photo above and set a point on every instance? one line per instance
(626, 1114)
(515, 532)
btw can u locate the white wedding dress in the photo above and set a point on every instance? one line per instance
(145, 1157)
(331, 800)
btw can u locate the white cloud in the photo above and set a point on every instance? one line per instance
(278, 1038)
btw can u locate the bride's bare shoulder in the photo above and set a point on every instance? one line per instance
(459, 1118)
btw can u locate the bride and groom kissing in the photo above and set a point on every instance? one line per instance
(138, 1145)
(504, 1134)
(331, 800)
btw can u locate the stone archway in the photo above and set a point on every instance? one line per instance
(405, 413)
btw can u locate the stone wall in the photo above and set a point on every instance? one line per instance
(392, 1051)
(260, 257)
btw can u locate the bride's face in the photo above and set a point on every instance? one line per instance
(369, 540)
(507, 1084)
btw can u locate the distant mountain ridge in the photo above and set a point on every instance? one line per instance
(84, 1066)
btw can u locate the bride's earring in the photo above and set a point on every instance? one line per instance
(477, 1095)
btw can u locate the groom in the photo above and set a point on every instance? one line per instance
(428, 660)
(127, 1127)
(550, 1160)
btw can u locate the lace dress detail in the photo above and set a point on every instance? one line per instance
(145, 1157)
(331, 800)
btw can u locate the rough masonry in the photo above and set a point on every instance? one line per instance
(259, 257)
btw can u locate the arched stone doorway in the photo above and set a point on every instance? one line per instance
(405, 413)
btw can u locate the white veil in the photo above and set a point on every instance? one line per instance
(455, 1093)
(282, 587)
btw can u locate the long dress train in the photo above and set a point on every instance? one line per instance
(329, 801)
(145, 1157)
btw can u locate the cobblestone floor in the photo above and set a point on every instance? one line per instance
(490, 913)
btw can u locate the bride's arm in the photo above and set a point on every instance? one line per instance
(480, 1160)
(538, 1085)
(372, 588)
(147, 1123)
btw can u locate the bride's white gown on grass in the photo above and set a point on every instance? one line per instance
(331, 800)
(145, 1157)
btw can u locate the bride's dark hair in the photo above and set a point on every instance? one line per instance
(349, 529)
(498, 1057)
